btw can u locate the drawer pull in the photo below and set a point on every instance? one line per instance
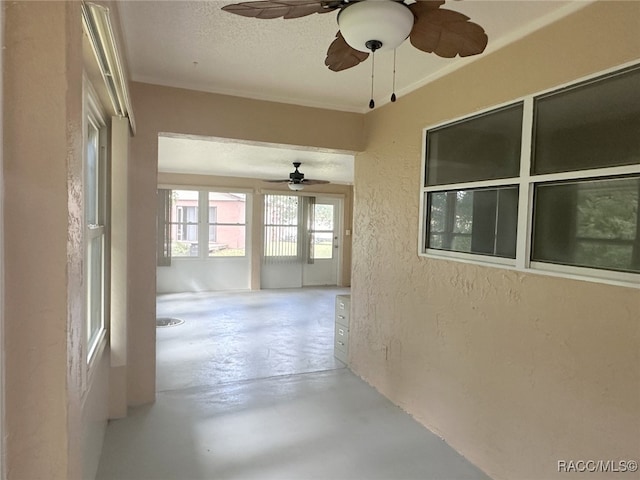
(341, 304)
(341, 343)
(340, 331)
(341, 317)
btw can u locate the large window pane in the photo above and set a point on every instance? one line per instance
(94, 234)
(484, 147)
(321, 233)
(323, 217)
(479, 221)
(92, 176)
(227, 229)
(230, 241)
(95, 290)
(184, 223)
(281, 226)
(588, 224)
(321, 245)
(280, 241)
(593, 125)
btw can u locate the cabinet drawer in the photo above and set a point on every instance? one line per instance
(341, 337)
(341, 344)
(342, 319)
(343, 307)
(342, 303)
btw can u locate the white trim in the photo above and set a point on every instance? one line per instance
(585, 174)
(422, 227)
(96, 22)
(620, 279)
(93, 113)
(203, 221)
(526, 183)
(96, 352)
(624, 278)
(525, 191)
(499, 182)
(2, 252)
(469, 257)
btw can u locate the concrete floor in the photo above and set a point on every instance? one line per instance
(248, 388)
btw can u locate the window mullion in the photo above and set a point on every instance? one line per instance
(525, 191)
(203, 223)
(475, 185)
(588, 174)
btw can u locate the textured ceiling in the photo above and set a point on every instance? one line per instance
(179, 154)
(198, 46)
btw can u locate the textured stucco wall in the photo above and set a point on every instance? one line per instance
(516, 371)
(55, 414)
(172, 110)
(43, 235)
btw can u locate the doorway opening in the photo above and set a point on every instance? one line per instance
(301, 241)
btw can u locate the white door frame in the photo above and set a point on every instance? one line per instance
(333, 277)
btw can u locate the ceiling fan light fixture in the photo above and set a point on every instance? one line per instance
(386, 21)
(295, 186)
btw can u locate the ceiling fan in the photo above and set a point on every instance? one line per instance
(296, 180)
(369, 25)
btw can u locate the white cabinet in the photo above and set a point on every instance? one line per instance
(341, 342)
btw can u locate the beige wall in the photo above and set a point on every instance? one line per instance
(119, 267)
(172, 110)
(43, 239)
(56, 407)
(516, 371)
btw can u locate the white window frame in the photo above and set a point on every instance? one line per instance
(93, 115)
(203, 222)
(312, 232)
(206, 223)
(525, 182)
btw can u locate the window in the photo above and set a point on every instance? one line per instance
(551, 183)
(471, 202)
(226, 219)
(94, 226)
(481, 221)
(592, 125)
(592, 223)
(321, 231)
(184, 223)
(484, 147)
(185, 232)
(281, 225)
(297, 229)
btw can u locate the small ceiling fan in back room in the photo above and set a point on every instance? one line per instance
(366, 26)
(296, 180)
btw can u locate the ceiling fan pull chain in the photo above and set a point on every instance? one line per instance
(372, 104)
(393, 89)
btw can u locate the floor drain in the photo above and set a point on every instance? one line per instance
(168, 322)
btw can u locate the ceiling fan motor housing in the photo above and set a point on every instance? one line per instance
(296, 176)
(386, 23)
